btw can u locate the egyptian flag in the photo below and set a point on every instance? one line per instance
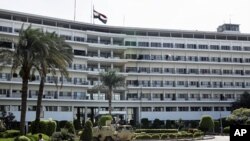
(100, 16)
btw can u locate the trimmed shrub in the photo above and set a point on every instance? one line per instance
(144, 136)
(69, 125)
(34, 127)
(156, 136)
(87, 135)
(35, 137)
(157, 124)
(145, 123)
(2, 126)
(156, 130)
(193, 130)
(63, 135)
(164, 136)
(22, 138)
(198, 134)
(206, 123)
(216, 126)
(62, 124)
(172, 136)
(103, 119)
(44, 126)
(51, 127)
(11, 133)
(77, 124)
(226, 130)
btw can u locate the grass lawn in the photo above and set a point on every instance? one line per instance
(6, 139)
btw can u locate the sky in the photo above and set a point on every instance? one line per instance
(202, 15)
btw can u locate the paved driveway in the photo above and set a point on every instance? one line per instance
(219, 138)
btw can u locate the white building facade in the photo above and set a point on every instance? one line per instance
(170, 74)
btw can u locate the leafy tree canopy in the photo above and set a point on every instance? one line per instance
(243, 102)
(239, 116)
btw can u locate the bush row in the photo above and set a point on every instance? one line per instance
(156, 130)
(47, 127)
(31, 138)
(164, 136)
(9, 134)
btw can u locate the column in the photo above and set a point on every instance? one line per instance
(99, 53)
(85, 113)
(112, 66)
(111, 40)
(112, 54)
(98, 39)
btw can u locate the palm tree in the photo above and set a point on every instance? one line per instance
(59, 57)
(22, 58)
(111, 80)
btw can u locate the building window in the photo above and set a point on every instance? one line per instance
(206, 108)
(6, 29)
(51, 108)
(168, 45)
(155, 44)
(169, 70)
(146, 109)
(66, 37)
(205, 59)
(182, 109)
(247, 48)
(78, 39)
(215, 59)
(130, 43)
(214, 47)
(238, 48)
(79, 52)
(171, 109)
(66, 108)
(218, 108)
(191, 46)
(203, 46)
(195, 108)
(179, 45)
(143, 44)
(31, 108)
(225, 47)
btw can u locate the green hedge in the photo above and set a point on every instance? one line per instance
(103, 119)
(144, 136)
(198, 134)
(47, 127)
(226, 130)
(22, 138)
(87, 134)
(10, 133)
(35, 137)
(70, 126)
(156, 130)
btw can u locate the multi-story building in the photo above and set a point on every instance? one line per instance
(170, 74)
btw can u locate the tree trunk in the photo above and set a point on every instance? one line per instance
(40, 98)
(24, 100)
(110, 98)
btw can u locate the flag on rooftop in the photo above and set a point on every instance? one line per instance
(100, 16)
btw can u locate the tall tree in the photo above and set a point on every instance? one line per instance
(28, 46)
(243, 102)
(111, 80)
(59, 57)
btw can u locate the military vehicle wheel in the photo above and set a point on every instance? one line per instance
(108, 139)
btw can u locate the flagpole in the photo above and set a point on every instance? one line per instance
(75, 11)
